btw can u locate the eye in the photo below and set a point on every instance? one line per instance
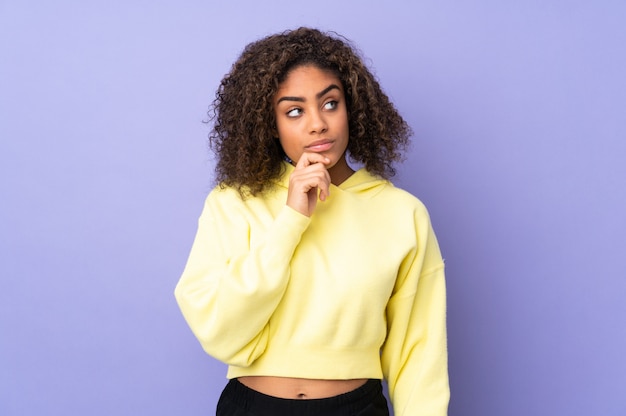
(294, 112)
(330, 105)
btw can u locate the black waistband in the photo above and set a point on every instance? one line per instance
(264, 405)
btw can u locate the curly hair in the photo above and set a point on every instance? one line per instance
(249, 156)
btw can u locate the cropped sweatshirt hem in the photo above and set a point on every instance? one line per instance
(313, 363)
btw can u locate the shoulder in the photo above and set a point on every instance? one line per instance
(222, 195)
(403, 200)
(229, 201)
(223, 201)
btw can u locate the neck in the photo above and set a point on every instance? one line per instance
(340, 172)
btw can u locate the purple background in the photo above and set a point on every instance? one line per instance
(519, 112)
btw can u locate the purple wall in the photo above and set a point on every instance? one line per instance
(519, 112)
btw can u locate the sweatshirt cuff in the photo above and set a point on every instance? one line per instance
(288, 227)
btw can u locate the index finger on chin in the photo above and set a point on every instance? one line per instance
(309, 158)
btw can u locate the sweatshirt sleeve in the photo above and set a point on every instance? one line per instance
(414, 356)
(230, 288)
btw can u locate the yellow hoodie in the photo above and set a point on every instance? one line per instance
(355, 291)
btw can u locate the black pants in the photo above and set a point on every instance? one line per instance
(239, 400)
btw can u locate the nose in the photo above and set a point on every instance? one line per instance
(317, 123)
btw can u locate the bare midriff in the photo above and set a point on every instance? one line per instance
(300, 388)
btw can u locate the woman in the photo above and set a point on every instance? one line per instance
(311, 280)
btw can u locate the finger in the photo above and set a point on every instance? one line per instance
(313, 184)
(309, 158)
(324, 191)
(324, 186)
(310, 177)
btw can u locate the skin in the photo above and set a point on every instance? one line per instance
(312, 126)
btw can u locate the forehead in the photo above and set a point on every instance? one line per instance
(309, 77)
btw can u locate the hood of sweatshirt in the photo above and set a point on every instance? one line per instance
(361, 182)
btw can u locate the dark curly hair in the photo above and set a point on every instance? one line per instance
(249, 157)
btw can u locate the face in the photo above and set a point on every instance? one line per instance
(311, 116)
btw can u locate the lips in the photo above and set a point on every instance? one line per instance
(320, 145)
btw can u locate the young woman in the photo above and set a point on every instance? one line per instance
(311, 280)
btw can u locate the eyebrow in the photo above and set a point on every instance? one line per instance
(318, 95)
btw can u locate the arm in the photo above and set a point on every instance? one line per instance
(230, 288)
(414, 356)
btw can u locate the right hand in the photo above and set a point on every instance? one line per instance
(309, 177)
